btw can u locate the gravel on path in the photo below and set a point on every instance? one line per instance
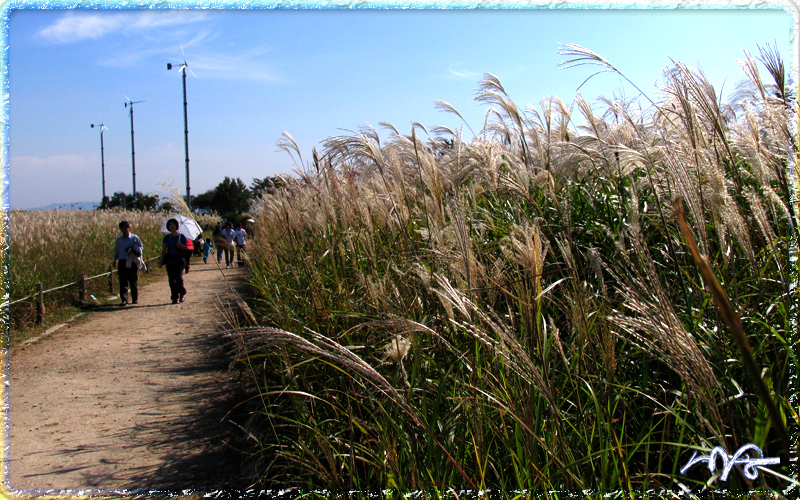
(133, 398)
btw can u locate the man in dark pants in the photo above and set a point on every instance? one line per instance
(126, 249)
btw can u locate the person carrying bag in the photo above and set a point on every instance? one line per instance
(172, 256)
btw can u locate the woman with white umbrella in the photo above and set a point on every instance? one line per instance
(174, 244)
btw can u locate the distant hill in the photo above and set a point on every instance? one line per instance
(78, 205)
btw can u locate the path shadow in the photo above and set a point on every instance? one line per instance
(211, 419)
(113, 308)
(211, 422)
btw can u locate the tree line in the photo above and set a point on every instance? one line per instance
(229, 198)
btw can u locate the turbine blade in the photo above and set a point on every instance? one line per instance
(184, 54)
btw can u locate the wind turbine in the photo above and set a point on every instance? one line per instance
(102, 162)
(133, 155)
(182, 70)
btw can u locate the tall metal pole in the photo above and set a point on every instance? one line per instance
(133, 153)
(102, 164)
(133, 157)
(186, 140)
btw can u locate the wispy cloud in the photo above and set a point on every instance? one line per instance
(460, 73)
(247, 65)
(148, 40)
(77, 26)
(204, 58)
(72, 28)
(145, 48)
(157, 19)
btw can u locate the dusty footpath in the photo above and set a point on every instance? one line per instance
(130, 398)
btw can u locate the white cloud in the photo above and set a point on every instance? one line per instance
(72, 27)
(157, 19)
(470, 75)
(77, 26)
(246, 65)
(232, 66)
(143, 51)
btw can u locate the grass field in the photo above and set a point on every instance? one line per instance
(58, 247)
(577, 299)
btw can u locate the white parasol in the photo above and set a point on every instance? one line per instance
(186, 226)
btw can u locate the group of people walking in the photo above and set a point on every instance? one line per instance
(176, 252)
(224, 238)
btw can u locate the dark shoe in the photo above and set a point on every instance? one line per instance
(135, 301)
(123, 303)
(183, 297)
(174, 301)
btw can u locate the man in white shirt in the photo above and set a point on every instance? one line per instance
(228, 235)
(241, 240)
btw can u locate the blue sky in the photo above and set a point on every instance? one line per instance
(312, 73)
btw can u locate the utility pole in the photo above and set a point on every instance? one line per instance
(184, 67)
(133, 154)
(102, 164)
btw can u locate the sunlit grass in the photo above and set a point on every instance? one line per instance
(57, 247)
(559, 334)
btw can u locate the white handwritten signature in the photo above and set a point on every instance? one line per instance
(750, 464)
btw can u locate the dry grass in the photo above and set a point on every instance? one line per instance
(57, 247)
(555, 332)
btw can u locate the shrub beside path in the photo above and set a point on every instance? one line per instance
(130, 398)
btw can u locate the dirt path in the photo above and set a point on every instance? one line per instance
(132, 398)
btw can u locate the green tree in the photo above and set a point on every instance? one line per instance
(204, 201)
(166, 206)
(142, 202)
(230, 198)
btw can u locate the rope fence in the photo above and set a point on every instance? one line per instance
(39, 295)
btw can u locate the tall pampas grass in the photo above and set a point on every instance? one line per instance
(520, 311)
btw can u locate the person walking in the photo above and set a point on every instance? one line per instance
(187, 254)
(198, 245)
(208, 246)
(172, 255)
(127, 251)
(241, 239)
(227, 244)
(219, 241)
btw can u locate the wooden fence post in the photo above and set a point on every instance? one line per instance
(110, 280)
(40, 305)
(82, 290)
